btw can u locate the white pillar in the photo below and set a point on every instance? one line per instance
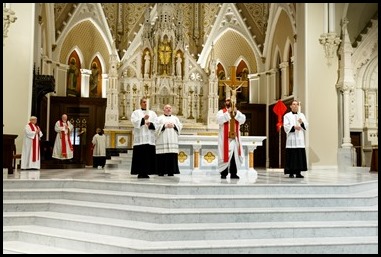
(284, 79)
(85, 82)
(254, 90)
(346, 138)
(104, 85)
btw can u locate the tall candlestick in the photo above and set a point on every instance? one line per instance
(325, 22)
(147, 109)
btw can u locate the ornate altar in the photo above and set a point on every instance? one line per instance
(160, 67)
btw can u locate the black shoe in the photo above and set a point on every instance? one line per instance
(234, 177)
(170, 175)
(161, 174)
(223, 176)
(291, 175)
(143, 176)
(299, 176)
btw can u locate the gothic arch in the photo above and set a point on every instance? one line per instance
(288, 55)
(101, 61)
(275, 12)
(370, 79)
(276, 57)
(86, 12)
(277, 60)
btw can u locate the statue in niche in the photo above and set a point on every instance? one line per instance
(165, 55)
(178, 65)
(94, 77)
(72, 74)
(72, 78)
(147, 63)
(221, 75)
(245, 74)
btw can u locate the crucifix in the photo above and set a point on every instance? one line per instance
(233, 84)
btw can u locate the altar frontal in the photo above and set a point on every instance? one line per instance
(199, 154)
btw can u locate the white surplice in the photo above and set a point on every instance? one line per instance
(295, 139)
(143, 135)
(167, 139)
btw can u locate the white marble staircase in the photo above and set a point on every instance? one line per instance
(122, 161)
(113, 217)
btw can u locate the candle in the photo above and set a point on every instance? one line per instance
(299, 108)
(331, 17)
(325, 22)
(147, 106)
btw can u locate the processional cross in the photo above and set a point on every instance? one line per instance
(233, 84)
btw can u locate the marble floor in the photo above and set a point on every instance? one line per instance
(263, 176)
(109, 242)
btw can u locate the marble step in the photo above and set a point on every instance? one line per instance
(104, 244)
(194, 215)
(122, 161)
(191, 231)
(164, 185)
(19, 247)
(119, 160)
(368, 198)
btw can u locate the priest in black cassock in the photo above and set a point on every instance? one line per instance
(168, 128)
(295, 123)
(144, 151)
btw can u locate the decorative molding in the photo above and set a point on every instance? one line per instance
(330, 42)
(8, 18)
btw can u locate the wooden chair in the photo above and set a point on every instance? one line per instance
(15, 157)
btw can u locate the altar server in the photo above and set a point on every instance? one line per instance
(144, 150)
(295, 123)
(168, 128)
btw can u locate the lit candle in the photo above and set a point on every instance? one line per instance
(147, 106)
(299, 108)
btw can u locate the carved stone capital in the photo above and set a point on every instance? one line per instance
(330, 42)
(8, 18)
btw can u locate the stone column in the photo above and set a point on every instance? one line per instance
(254, 89)
(196, 159)
(85, 82)
(250, 154)
(284, 68)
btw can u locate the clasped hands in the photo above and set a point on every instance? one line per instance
(146, 117)
(298, 127)
(169, 125)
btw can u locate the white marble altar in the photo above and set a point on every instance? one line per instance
(199, 154)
